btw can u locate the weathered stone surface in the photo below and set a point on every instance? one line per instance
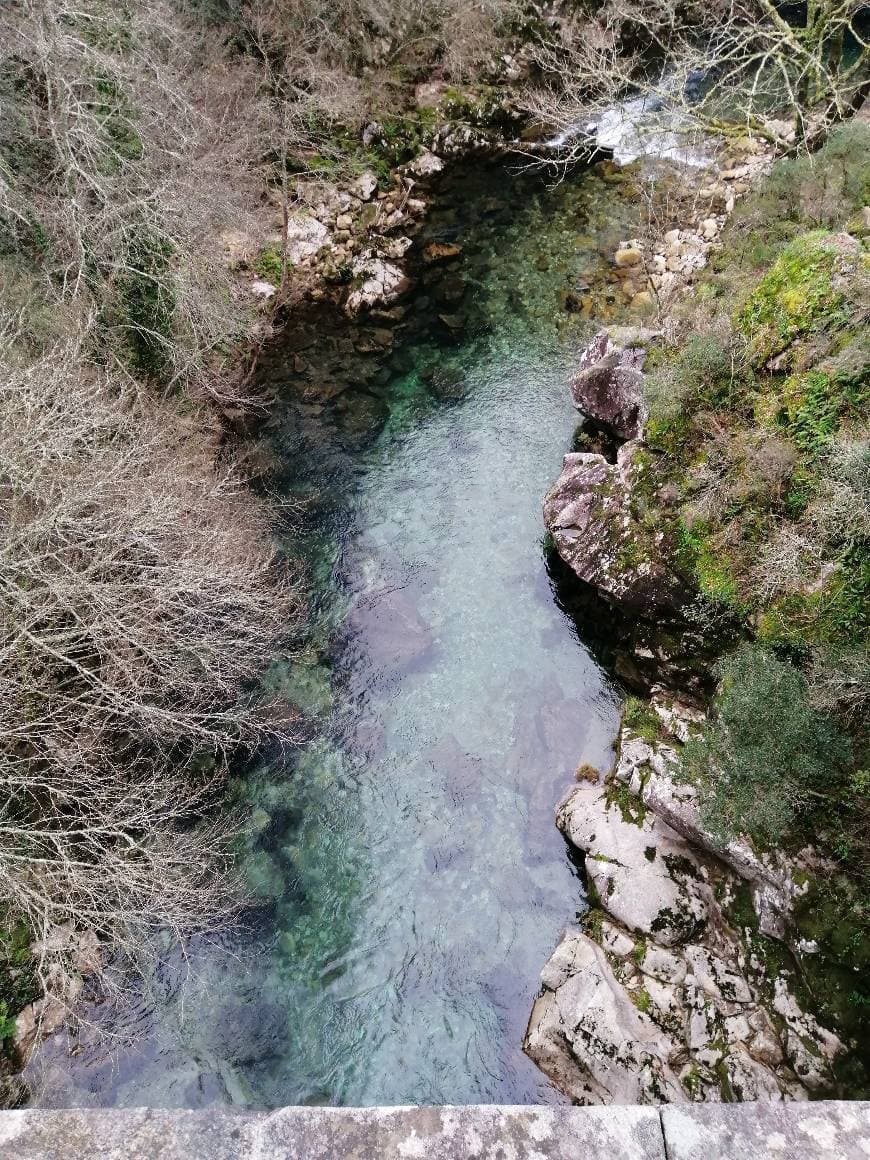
(305, 236)
(660, 999)
(648, 771)
(608, 388)
(447, 1133)
(588, 512)
(589, 1037)
(640, 893)
(381, 283)
(135, 1134)
(763, 1131)
(833, 1130)
(458, 1133)
(425, 165)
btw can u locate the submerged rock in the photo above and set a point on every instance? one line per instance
(665, 997)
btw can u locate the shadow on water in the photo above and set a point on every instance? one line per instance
(411, 880)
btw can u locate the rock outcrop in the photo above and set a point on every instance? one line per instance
(590, 512)
(668, 993)
(608, 388)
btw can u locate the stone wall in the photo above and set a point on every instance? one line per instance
(795, 1131)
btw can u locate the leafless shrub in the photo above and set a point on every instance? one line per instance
(728, 66)
(839, 682)
(841, 510)
(127, 144)
(140, 598)
(786, 563)
(770, 463)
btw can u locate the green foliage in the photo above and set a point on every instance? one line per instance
(641, 719)
(816, 190)
(766, 753)
(18, 985)
(795, 298)
(705, 372)
(268, 263)
(111, 106)
(147, 301)
(838, 612)
(702, 558)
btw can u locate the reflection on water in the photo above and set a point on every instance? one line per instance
(412, 880)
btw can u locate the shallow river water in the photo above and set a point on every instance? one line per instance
(412, 880)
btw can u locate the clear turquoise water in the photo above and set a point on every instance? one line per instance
(412, 879)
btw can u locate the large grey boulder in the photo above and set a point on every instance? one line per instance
(608, 386)
(590, 1038)
(590, 513)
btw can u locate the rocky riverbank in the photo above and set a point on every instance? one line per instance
(671, 990)
(687, 980)
(667, 994)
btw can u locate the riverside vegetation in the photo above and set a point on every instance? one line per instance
(735, 519)
(758, 440)
(144, 580)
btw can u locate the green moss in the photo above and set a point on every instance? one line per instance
(631, 808)
(836, 613)
(268, 263)
(641, 719)
(701, 556)
(795, 298)
(641, 999)
(812, 405)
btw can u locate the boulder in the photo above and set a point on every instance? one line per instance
(642, 893)
(589, 514)
(608, 388)
(364, 186)
(381, 282)
(588, 1036)
(305, 236)
(425, 165)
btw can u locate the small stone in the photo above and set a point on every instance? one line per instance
(643, 300)
(627, 257)
(425, 165)
(709, 228)
(344, 221)
(364, 185)
(441, 251)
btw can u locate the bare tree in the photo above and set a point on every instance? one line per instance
(129, 141)
(140, 597)
(729, 66)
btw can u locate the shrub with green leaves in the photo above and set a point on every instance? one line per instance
(766, 754)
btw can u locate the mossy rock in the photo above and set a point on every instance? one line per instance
(799, 295)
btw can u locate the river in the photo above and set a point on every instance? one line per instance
(411, 878)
